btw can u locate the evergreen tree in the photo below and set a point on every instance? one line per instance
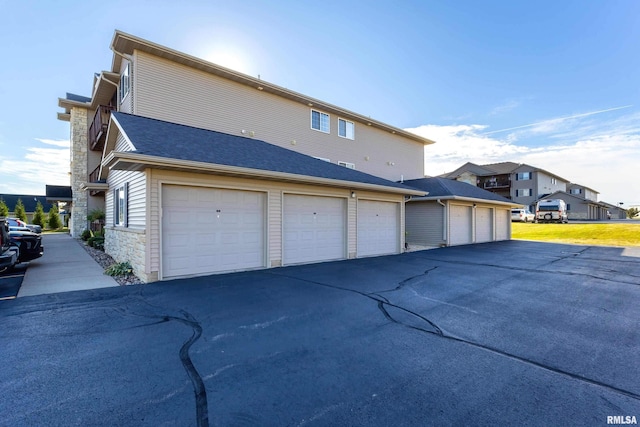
(20, 212)
(54, 218)
(38, 216)
(4, 209)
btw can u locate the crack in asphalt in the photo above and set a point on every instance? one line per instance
(538, 270)
(404, 282)
(437, 331)
(199, 390)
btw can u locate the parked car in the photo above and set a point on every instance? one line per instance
(35, 228)
(523, 215)
(8, 253)
(29, 244)
(16, 222)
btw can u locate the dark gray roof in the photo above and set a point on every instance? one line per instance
(467, 167)
(28, 200)
(77, 98)
(448, 188)
(502, 167)
(174, 141)
(58, 193)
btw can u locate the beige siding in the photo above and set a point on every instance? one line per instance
(352, 232)
(122, 144)
(275, 193)
(136, 205)
(424, 223)
(169, 91)
(126, 106)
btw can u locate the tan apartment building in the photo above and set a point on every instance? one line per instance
(201, 169)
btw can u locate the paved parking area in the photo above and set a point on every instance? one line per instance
(507, 333)
(10, 281)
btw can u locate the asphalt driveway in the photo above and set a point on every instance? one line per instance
(507, 333)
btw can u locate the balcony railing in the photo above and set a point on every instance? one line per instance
(93, 176)
(98, 128)
(500, 183)
(93, 179)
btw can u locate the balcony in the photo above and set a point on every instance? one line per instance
(98, 128)
(95, 186)
(492, 184)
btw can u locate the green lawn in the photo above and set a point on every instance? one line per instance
(605, 234)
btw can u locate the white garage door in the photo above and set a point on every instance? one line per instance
(378, 228)
(314, 228)
(208, 230)
(484, 225)
(503, 224)
(460, 225)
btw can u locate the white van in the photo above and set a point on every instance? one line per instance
(551, 210)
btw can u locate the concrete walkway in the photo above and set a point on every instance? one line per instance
(65, 266)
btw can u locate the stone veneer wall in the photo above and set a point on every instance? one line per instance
(79, 173)
(128, 245)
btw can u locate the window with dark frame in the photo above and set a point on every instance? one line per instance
(320, 121)
(120, 197)
(125, 82)
(346, 129)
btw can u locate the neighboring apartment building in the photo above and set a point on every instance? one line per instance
(522, 183)
(583, 192)
(201, 169)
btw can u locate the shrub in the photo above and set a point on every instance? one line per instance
(19, 211)
(96, 242)
(119, 269)
(86, 234)
(54, 218)
(4, 209)
(38, 216)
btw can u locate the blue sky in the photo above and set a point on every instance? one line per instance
(554, 84)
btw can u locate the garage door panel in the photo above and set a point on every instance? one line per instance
(503, 220)
(484, 225)
(208, 230)
(460, 225)
(313, 228)
(378, 226)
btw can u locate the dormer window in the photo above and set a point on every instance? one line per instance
(125, 82)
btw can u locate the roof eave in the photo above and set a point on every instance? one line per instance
(465, 199)
(138, 162)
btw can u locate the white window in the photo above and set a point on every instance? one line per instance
(320, 121)
(575, 191)
(525, 192)
(120, 197)
(554, 181)
(347, 165)
(125, 82)
(523, 176)
(346, 129)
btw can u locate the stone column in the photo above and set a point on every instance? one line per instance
(79, 172)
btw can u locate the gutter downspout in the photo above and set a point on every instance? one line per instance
(444, 221)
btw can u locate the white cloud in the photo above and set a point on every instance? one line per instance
(600, 155)
(64, 143)
(40, 166)
(504, 108)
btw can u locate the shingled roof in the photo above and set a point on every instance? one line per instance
(161, 139)
(442, 188)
